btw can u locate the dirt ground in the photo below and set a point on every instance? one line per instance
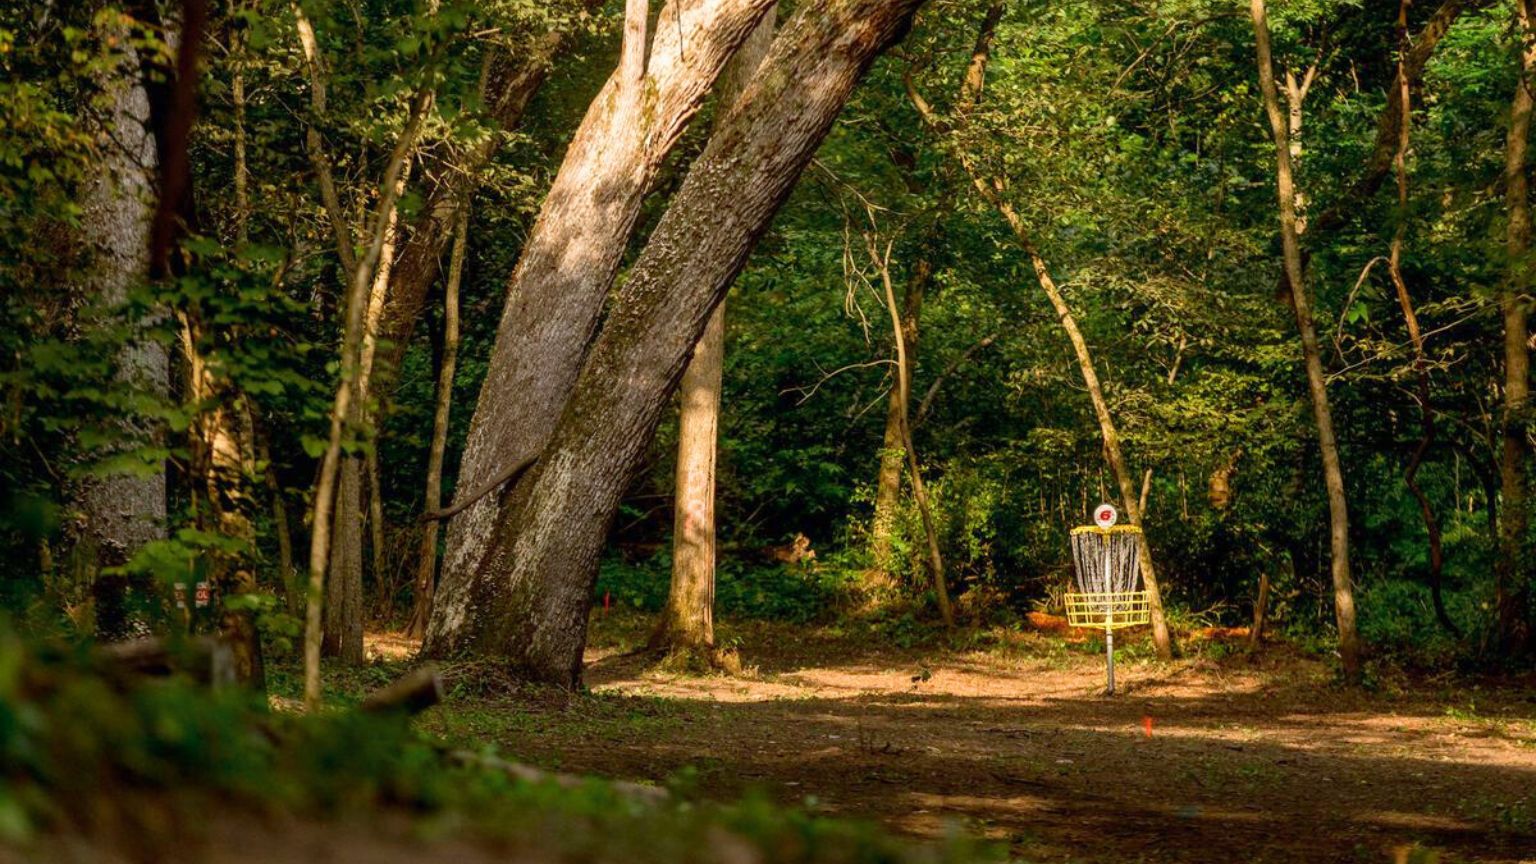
(1230, 759)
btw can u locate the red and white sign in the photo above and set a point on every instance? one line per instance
(1105, 516)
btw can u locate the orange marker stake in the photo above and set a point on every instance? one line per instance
(1146, 725)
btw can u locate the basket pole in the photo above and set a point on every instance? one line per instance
(1109, 662)
(1109, 622)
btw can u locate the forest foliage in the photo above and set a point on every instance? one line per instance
(1129, 137)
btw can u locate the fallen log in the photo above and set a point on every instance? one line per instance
(410, 694)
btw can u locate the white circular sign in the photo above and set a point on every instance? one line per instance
(1105, 515)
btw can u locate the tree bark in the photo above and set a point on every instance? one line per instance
(688, 619)
(1512, 631)
(1333, 472)
(426, 567)
(557, 291)
(120, 512)
(532, 602)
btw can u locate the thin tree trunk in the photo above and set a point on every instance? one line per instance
(1333, 473)
(557, 291)
(1512, 572)
(237, 40)
(1411, 319)
(293, 592)
(342, 404)
(903, 392)
(320, 161)
(1261, 606)
(426, 567)
(378, 534)
(688, 619)
(535, 611)
(345, 608)
(892, 446)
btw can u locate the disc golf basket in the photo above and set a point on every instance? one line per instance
(1106, 561)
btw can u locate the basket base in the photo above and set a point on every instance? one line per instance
(1105, 610)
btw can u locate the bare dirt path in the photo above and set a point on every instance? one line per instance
(1198, 760)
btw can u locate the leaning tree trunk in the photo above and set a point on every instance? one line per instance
(544, 563)
(120, 512)
(557, 291)
(688, 620)
(1512, 572)
(1333, 472)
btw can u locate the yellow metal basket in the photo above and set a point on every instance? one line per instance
(1108, 610)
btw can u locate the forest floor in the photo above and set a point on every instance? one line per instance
(1007, 734)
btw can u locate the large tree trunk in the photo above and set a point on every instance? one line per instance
(533, 605)
(1512, 572)
(1333, 472)
(568, 265)
(120, 512)
(688, 620)
(893, 450)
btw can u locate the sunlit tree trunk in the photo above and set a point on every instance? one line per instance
(536, 614)
(1333, 472)
(557, 291)
(688, 619)
(426, 566)
(1512, 571)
